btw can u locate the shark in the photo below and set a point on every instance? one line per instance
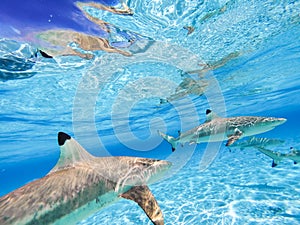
(278, 156)
(81, 184)
(188, 86)
(257, 141)
(217, 128)
(64, 29)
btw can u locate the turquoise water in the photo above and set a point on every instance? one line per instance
(111, 105)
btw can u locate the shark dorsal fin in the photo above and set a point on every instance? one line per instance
(71, 152)
(210, 115)
(145, 199)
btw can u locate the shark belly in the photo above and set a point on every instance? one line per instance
(88, 209)
(203, 134)
(254, 130)
(51, 199)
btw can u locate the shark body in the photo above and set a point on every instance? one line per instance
(80, 185)
(278, 156)
(188, 86)
(216, 128)
(256, 141)
(64, 28)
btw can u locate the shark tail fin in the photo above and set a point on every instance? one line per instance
(145, 199)
(274, 163)
(276, 156)
(170, 139)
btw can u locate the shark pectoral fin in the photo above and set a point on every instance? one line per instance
(231, 139)
(145, 199)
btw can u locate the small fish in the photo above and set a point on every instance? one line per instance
(190, 29)
(216, 128)
(278, 156)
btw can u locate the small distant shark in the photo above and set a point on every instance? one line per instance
(255, 141)
(188, 86)
(231, 129)
(277, 156)
(80, 185)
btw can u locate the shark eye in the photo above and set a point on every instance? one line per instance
(143, 164)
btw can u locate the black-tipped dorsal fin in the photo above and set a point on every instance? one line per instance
(62, 137)
(45, 55)
(145, 199)
(71, 152)
(210, 115)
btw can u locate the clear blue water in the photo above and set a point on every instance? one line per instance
(110, 104)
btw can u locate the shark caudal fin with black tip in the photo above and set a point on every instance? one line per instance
(276, 156)
(170, 139)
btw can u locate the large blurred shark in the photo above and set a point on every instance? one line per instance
(231, 129)
(278, 156)
(80, 185)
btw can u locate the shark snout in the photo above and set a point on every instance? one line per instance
(279, 121)
(164, 165)
(159, 168)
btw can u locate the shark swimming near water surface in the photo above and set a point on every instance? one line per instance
(187, 87)
(216, 128)
(80, 185)
(64, 28)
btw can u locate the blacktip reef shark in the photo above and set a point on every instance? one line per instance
(188, 86)
(278, 156)
(256, 141)
(216, 128)
(57, 41)
(80, 185)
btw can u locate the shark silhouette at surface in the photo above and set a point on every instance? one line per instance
(80, 185)
(231, 129)
(59, 28)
